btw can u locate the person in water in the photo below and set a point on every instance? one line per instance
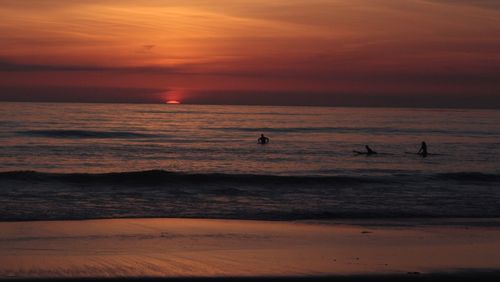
(263, 139)
(423, 150)
(369, 150)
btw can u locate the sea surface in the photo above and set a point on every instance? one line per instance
(82, 161)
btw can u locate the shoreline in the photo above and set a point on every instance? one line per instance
(492, 276)
(205, 249)
(493, 222)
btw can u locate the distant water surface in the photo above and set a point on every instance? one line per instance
(204, 161)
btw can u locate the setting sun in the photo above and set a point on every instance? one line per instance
(173, 102)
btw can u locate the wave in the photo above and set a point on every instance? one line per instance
(67, 133)
(155, 177)
(31, 195)
(469, 176)
(149, 177)
(370, 130)
(84, 134)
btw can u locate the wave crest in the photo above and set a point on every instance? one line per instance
(161, 176)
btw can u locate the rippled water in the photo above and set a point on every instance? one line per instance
(222, 139)
(184, 159)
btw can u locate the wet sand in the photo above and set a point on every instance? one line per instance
(224, 249)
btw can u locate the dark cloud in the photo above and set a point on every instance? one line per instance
(81, 94)
(302, 98)
(495, 4)
(437, 99)
(485, 73)
(146, 49)
(8, 66)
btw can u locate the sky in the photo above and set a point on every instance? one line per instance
(412, 53)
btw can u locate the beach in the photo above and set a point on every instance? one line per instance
(224, 249)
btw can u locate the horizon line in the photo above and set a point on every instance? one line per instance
(256, 104)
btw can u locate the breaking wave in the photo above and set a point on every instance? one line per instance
(156, 177)
(158, 193)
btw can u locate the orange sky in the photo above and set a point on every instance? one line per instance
(310, 52)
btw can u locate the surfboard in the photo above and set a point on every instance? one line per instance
(428, 154)
(364, 153)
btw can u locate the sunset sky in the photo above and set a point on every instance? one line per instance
(437, 53)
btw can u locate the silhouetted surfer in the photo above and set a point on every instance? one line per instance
(263, 139)
(423, 150)
(368, 152)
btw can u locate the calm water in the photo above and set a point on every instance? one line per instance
(204, 161)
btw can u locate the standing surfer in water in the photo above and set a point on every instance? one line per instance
(423, 150)
(369, 150)
(263, 139)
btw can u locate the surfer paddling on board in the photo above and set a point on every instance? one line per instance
(368, 152)
(423, 150)
(263, 139)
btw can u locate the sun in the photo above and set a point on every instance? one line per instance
(173, 97)
(173, 102)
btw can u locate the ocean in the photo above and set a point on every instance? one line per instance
(87, 161)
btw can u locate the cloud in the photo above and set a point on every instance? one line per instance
(346, 99)
(8, 66)
(495, 4)
(82, 94)
(258, 97)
